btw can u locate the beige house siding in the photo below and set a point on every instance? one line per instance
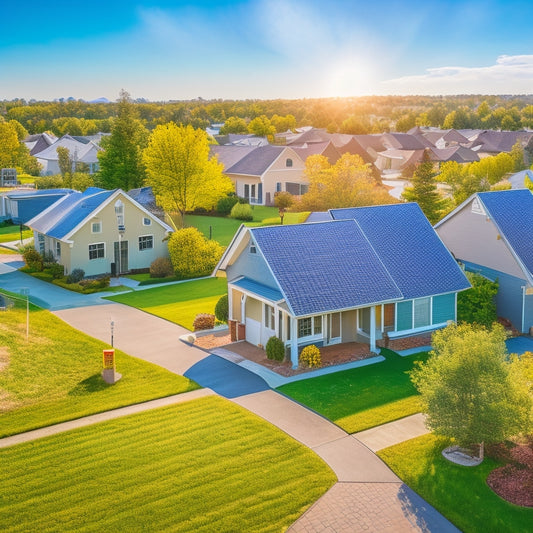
(349, 326)
(473, 237)
(236, 305)
(254, 309)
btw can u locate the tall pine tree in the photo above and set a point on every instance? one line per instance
(121, 164)
(424, 191)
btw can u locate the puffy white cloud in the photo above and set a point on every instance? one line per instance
(509, 75)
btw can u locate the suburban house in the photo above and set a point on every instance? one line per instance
(368, 274)
(81, 150)
(491, 233)
(21, 205)
(258, 172)
(87, 230)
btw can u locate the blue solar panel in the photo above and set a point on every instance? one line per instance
(325, 267)
(512, 212)
(409, 247)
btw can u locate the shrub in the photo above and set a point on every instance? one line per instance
(33, 259)
(477, 305)
(225, 204)
(193, 255)
(49, 182)
(161, 268)
(242, 212)
(76, 275)
(203, 321)
(222, 309)
(57, 270)
(311, 357)
(275, 349)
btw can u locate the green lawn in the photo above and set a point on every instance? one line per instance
(178, 303)
(55, 376)
(223, 229)
(363, 397)
(12, 233)
(205, 465)
(460, 493)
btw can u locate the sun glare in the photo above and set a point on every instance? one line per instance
(349, 78)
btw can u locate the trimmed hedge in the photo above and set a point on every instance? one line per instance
(275, 349)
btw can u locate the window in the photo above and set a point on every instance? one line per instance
(278, 186)
(58, 249)
(146, 242)
(253, 249)
(147, 221)
(269, 317)
(422, 312)
(97, 251)
(40, 239)
(96, 227)
(318, 325)
(288, 163)
(305, 327)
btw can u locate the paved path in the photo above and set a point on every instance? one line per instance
(368, 496)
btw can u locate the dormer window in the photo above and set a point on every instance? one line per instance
(147, 221)
(288, 163)
(96, 227)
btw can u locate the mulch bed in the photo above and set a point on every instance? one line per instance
(514, 481)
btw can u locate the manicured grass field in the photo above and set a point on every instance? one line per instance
(178, 303)
(363, 397)
(460, 493)
(205, 465)
(55, 375)
(12, 233)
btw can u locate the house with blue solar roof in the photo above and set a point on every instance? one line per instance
(100, 232)
(365, 274)
(491, 233)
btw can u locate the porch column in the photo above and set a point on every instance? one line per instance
(243, 309)
(373, 328)
(230, 304)
(294, 342)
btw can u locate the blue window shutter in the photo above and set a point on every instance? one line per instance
(443, 308)
(260, 193)
(404, 312)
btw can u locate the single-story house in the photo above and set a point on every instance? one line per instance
(491, 233)
(87, 230)
(365, 272)
(21, 205)
(258, 172)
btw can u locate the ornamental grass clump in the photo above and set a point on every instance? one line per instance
(310, 356)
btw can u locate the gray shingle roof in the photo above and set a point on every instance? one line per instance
(257, 161)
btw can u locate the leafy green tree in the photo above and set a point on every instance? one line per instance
(234, 125)
(517, 155)
(121, 164)
(283, 200)
(262, 127)
(65, 164)
(193, 255)
(81, 181)
(468, 390)
(477, 305)
(281, 124)
(180, 171)
(424, 191)
(347, 183)
(9, 145)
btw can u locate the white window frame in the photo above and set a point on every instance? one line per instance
(96, 223)
(316, 328)
(97, 250)
(147, 221)
(58, 249)
(145, 248)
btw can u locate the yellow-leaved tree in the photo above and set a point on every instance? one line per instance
(182, 175)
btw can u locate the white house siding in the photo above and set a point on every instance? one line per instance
(473, 237)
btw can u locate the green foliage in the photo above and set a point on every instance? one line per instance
(193, 255)
(161, 268)
(310, 356)
(203, 321)
(65, 163)
(283, 200)
(33, 259)
(275, 349)
(222, 309)
(528, 184)
(76, 275)
(234, 125)
(242, 212)
(262, 127)
(477, 304)
(57, 270)
(467, 388)
(81, 181)
(167, 462)
(181, 172)
(424, 190)
(121, 164)
(225, 204)
(49, 182)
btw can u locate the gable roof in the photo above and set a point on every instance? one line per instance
(499, 141)
(325, 148)
(402, 141)
(256, 162)
(230, 154)
(325, 266)
(78, 150)
(63, 217)
(409, 247)
(512, 213)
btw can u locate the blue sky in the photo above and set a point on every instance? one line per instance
(164, 50)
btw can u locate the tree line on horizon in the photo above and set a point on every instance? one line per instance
(357, 115)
